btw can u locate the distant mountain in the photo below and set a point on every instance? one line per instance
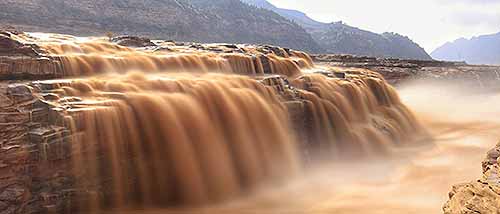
(185, 20)
(299, 17)
(91, 17)
(340, 38)
(230, 21)
(477, 50)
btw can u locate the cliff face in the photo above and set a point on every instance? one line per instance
(150, 17)
(238, 22)
(481, 196)
(339, 38)
(229, 21)
(478, 50)
(203, 21)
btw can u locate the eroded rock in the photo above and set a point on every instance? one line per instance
(397, 71)
(481, 196)
(23, 60)
(10, 44)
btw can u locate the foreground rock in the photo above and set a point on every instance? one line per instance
(481, 196)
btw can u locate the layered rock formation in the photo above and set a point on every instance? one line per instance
(397, 71)
(21, 60)
(32, 143)
(481, 196)
(340, 38)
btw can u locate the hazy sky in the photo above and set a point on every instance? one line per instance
(430, 23)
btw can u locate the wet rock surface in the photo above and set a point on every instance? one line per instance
(481, 196)
(132, 41)
(9, 45)
(21, 60)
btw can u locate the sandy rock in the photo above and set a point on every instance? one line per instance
(481, 196)
(491, 159)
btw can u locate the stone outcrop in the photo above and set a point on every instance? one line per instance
(132, 41)
(481, 196)
(27, 67)
(32, 142)
(20, 60)
(9, 45)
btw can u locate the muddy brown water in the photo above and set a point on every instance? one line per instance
(189, 140)
(416, 180)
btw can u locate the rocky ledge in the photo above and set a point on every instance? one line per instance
(481, 196)
(24, 60)
(397, 71)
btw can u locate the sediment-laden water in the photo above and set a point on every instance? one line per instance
(172, 126)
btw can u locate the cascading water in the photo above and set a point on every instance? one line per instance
(85, 58)
(183, 141)
(178, 125)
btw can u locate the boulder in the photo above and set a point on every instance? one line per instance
(133, 41)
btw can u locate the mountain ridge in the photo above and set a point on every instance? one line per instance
(220, 21)
(483, 49)
(340, 38)
(167, 19)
